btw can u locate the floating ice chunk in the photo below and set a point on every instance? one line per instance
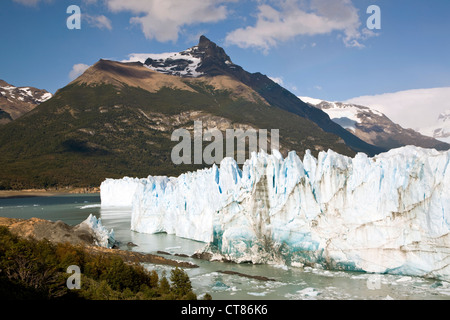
(102, 236)
(309, 292)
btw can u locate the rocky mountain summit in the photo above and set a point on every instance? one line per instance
(375, 127)
(16, 101)
(204, 59)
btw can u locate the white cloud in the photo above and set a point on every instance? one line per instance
(137, 57)
(163, 19)
(278, 80)
(414, 109)
(293, 18)
(31, 3)
(27, 2)
(77, 70)
(100, 21)
(142, 57)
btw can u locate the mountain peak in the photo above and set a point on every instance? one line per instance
(212, 50)
(206, 58)
(375, 127)
(4, 83)
(16, 101)
(204, 42)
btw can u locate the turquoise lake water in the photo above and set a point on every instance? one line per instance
(290, 283)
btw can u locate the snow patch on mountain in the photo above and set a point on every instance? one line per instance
(310, 100)
(344, 114)
(25, 93)
(339, 109)
(376, 128)
(16, 101)
(170, 64)
(183, 63)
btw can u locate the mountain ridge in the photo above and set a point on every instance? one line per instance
(373, 126)
(216, 62)
(116, 120)
(16, 101)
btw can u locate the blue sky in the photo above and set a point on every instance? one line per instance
(317, 48)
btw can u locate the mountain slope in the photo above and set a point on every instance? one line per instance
(373, 126)
(214, 61)
(16, 101)
(117, 120)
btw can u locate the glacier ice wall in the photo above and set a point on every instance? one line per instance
(118, 192)
(387, 214)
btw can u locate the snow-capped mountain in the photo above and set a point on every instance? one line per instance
(117, 118)
(183, 63)
(386, 214)
(375, 127)
(15, 101)
(207, 59)
(441, 130)
(191, 63)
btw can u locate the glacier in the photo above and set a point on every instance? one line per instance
(386, 214)
(101, 235)
(118, 192)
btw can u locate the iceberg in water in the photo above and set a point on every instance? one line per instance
(387, 214)
(101, 235)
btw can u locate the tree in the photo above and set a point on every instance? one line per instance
(181, 284)
(164, 285)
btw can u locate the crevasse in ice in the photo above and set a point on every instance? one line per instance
(387, 214)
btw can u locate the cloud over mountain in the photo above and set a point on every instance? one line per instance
(415, 109)
(288, 19)
(77, 70)
(163, 19)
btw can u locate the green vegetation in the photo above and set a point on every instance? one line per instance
(37, 270)
(5, 115)
(86, 134)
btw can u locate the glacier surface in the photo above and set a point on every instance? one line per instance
(386, 214)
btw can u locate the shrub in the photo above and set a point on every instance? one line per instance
(32, 269)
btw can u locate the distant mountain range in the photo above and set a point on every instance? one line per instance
(16, 101)
(376, 128)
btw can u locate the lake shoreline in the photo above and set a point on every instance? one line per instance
(31, 193)
(59, 232)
